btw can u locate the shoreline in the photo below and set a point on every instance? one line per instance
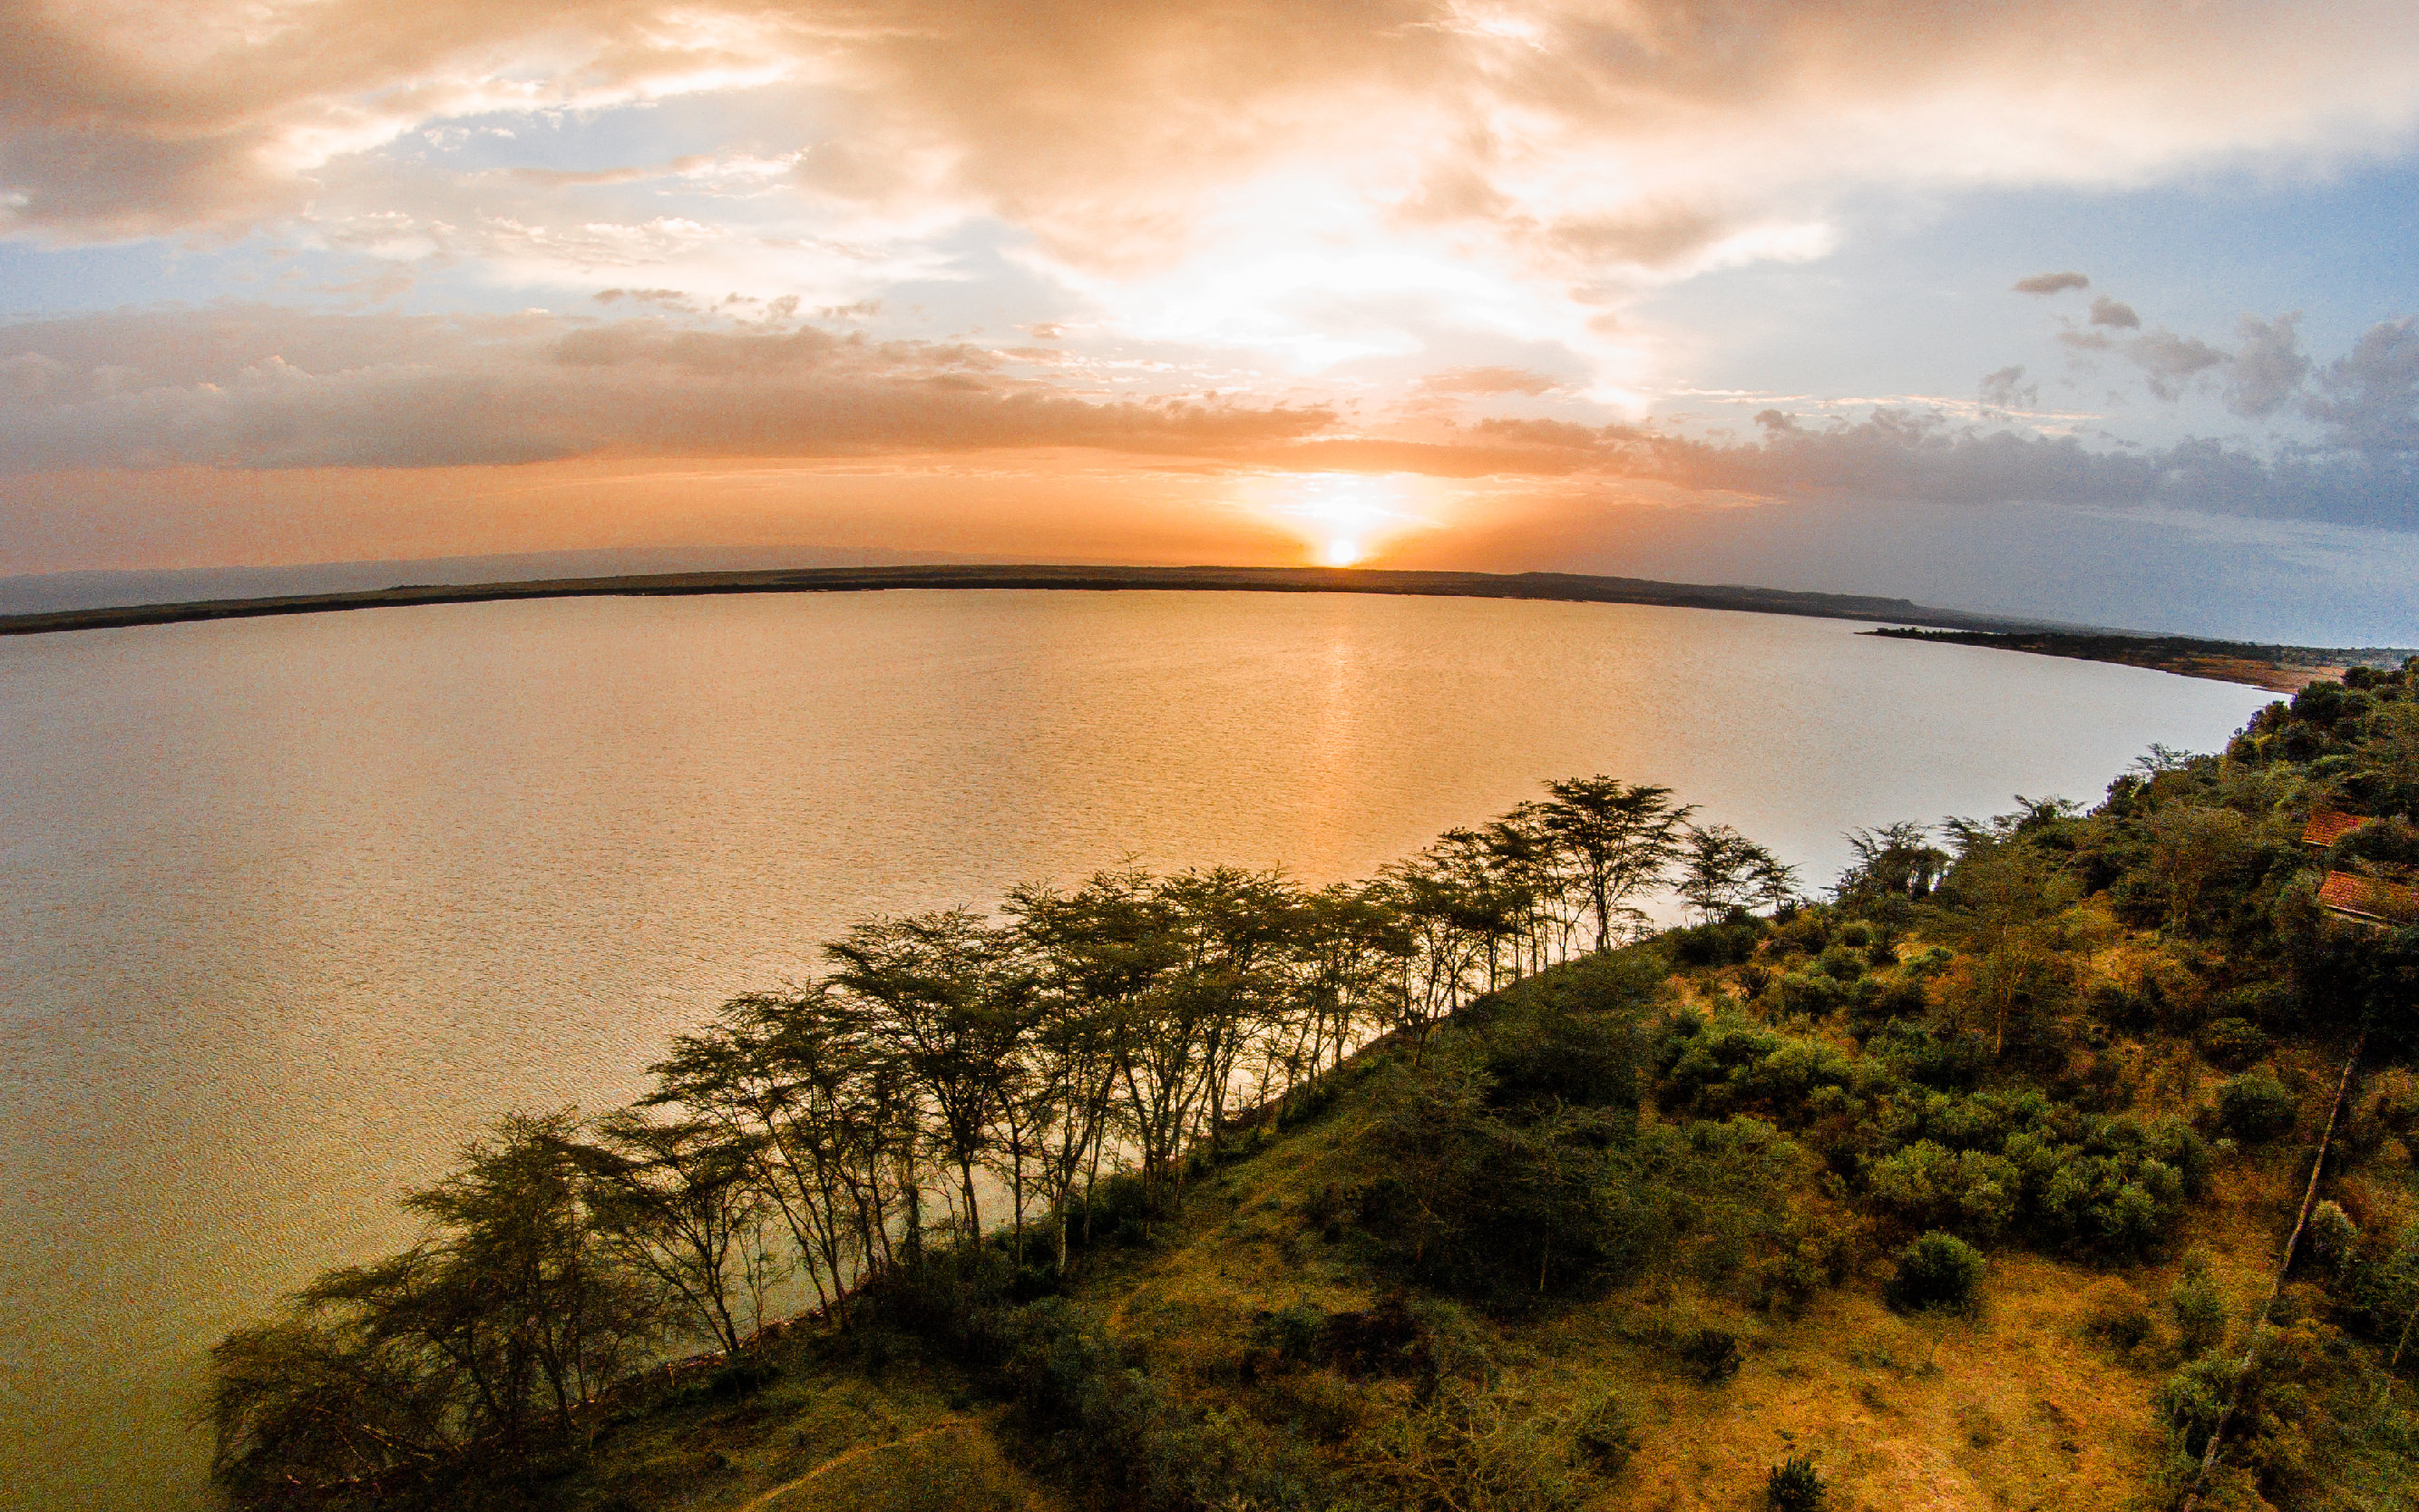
(2279, 668)
(1550, 586)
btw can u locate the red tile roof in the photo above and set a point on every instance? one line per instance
(2347, 892)
(2325, 828)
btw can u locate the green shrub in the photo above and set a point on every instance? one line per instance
(2191, 1400)
(2199, 1311)
(1714, 945)
(1937, 1270)
(2256, 1107)
(1813, 996)
(1794, 1486)
(1841, 963)
(1932, 1187)
(2118, 1317)
(1713, 1353)
(2233, 1042)
(1503, 1204)
(1545, 1046)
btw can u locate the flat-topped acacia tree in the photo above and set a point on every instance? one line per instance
(1619, 841)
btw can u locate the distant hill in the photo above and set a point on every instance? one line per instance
(97, 601)
(446, 588)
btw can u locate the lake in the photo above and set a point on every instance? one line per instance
(288, 908)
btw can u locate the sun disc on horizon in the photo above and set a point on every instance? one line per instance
(1340, 517)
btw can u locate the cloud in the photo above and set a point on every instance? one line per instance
(2007, 389)
(1584, 131)
(1489, 381)
(2258, 379)
(262, 388)
(2170, 362)
(2109, 312)
(2268, 369)
(2051, 283)
(2369, 398)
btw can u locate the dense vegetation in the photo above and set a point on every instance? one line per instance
(2051, 1038)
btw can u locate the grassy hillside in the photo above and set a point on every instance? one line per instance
(1300, 1368)
(1967, 1187)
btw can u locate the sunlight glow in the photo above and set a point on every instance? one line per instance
(1341, 517)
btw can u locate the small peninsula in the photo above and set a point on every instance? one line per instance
(2279, 667)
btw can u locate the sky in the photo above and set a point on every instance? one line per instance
(2106, 313)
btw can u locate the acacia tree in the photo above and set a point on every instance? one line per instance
(1345, 972)
(1619, 841)
(1526, 862)
(1102, 953)
(1721, 870)
(793, 1080)
(1236, 927)
(947, 998)
(1451, 922)
(679, 1202)
(2006, 906)
(1894, 862)
(502, 1326)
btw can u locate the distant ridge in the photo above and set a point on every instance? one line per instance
(1557, 586)
(2276, 668)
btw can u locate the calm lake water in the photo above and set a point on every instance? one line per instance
(288, 908)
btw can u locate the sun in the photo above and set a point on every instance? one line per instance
(1341, 517)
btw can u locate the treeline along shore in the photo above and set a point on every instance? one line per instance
(2056, 1158)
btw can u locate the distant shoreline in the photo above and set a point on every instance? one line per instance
(2284, 668)
(1552, 586)
(2278, 667)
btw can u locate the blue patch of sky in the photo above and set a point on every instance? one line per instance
(1917, 299)
(768, 121)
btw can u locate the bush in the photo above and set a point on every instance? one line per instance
(1484, 1204)
(1544, 1047)
(2199, 1311)
(2118, 1317)
(1478, 1449)
(1713, 1353)
(2233, 1042)
(1714, 945)
(1841, 963)
(1794, 1486)
(1937, 1188)
(1937, 1270)
(2255, 1107)
(2192, 1401)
